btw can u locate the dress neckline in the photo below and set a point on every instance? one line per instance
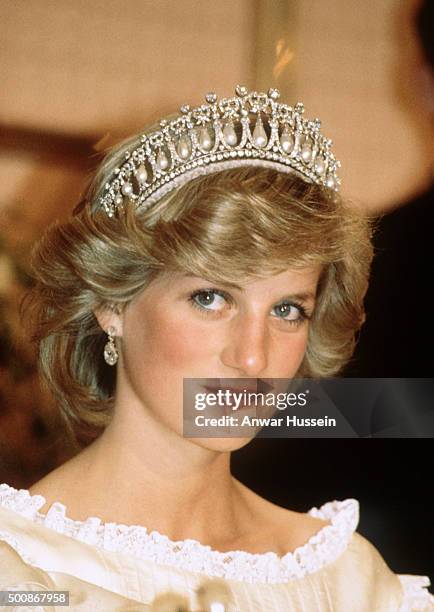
(320, 550)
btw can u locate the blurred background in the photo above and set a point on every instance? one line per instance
(77, 75)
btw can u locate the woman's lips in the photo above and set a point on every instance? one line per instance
(244, 404)
(230, 389)
(254, 387)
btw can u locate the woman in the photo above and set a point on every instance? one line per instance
(213, 245)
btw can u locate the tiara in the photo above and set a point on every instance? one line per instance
(249, 129)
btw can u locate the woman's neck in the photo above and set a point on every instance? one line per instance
(139, 472)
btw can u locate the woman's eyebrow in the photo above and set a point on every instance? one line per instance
(213, 282)
(303, 296)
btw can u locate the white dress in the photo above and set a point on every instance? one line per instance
(107, 566)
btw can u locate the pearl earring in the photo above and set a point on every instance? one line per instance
(110, 351)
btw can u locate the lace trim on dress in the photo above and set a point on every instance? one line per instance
(416, 596)
(321, 549)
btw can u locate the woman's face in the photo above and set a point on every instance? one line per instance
(183, 326)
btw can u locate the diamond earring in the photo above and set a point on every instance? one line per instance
(110, 350)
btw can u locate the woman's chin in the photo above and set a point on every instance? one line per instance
(222, 445)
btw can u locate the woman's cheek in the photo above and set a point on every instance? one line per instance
(172, 339)
(291, 355)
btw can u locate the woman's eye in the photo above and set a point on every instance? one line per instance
(290, 312)
(208, 300)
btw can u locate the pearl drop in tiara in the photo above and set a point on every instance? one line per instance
(249, 129)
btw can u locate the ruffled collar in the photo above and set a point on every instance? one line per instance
(321, 549)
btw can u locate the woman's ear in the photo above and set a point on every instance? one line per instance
(109, 316)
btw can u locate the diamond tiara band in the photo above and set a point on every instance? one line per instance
(249, 129)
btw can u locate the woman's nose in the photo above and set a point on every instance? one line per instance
(247, 345)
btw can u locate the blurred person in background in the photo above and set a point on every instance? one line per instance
(397, 338)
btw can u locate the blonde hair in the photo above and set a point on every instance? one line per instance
(238, 223)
